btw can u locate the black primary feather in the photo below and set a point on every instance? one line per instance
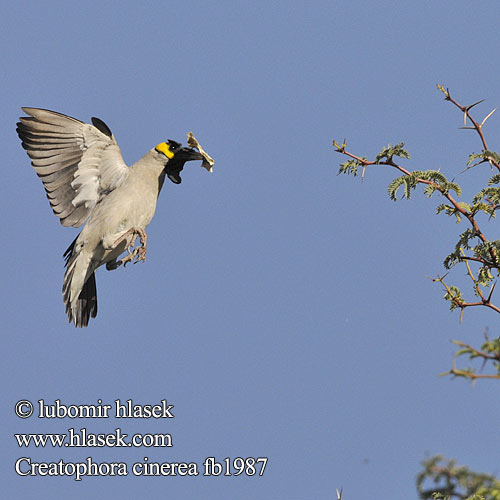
(101, 126)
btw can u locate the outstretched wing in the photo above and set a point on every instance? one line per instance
(78, 163)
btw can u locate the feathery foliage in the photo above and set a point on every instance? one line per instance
(479, 255)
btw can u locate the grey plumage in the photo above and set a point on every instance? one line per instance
(86, 180)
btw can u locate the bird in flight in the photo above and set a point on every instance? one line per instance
(87, 182)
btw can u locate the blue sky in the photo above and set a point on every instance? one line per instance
(282, 309)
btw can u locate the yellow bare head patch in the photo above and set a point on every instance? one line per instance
(164, 148)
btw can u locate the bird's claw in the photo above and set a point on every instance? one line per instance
(139, 253)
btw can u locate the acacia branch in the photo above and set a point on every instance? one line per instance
(478, 127)
(477, 353)
(469, 374)
(483, 251)
(390, 162)
(462, 304)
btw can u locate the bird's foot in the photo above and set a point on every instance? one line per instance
(138, 253)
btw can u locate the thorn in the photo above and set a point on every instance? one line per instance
(488, 301)
(339, 493)
(484, 121)
(467, 108)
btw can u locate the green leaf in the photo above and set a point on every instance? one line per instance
(390, 151)
(350, 167)
(454, 296)
(491, 194)
(453, 186)
(494, 180)
(491, 155)
(394, 186)
(429, 190)
(475, 156)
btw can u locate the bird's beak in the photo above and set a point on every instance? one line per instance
(188, 154)
(175, 166)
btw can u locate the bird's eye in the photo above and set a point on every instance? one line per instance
(174, 145)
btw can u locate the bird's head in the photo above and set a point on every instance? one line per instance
(176, 156)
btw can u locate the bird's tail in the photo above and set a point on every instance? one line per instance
(79, 290)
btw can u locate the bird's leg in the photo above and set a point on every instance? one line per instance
(138, 253)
